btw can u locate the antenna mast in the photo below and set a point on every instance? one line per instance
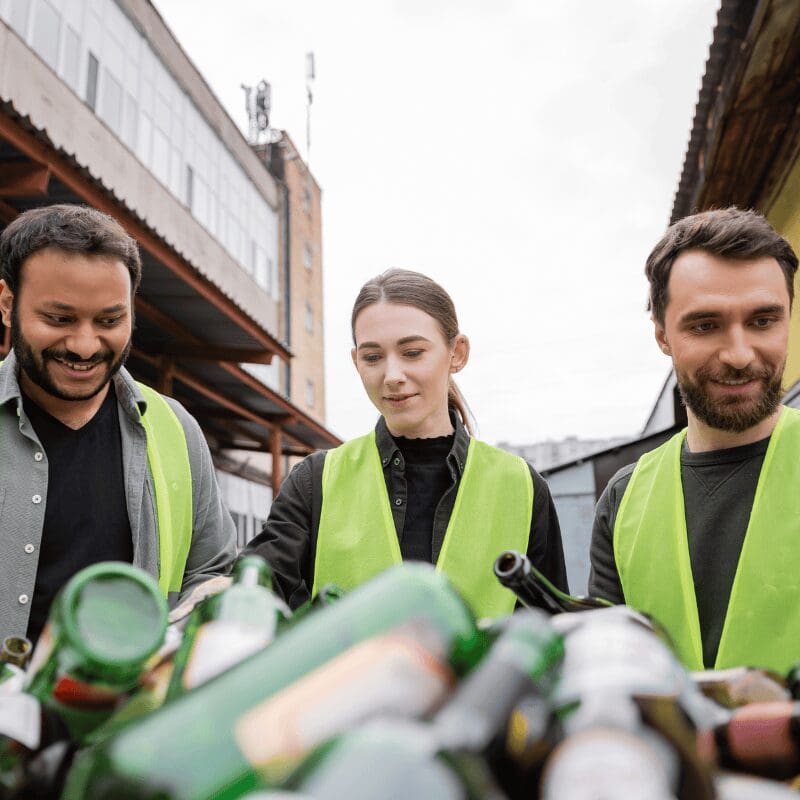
(310, 75)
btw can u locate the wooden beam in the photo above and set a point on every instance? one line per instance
(166, 371)
(7, 212)
(289, 414)
(275, 447)
(24, 179)
(209, 352)
(74, 179)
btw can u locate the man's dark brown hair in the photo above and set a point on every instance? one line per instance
(71, 228)
(728, 233)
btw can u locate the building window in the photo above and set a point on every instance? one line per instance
(112, 102)
(189, 186)
(92, 68)
(72, 57)
(46, 33)
(306, 201)
(18, 16)
(309, 317)
(307, 256)
(309, 393)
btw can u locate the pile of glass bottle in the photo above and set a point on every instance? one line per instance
(390, 691)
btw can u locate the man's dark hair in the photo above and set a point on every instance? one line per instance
(728, 233)
(71, 228)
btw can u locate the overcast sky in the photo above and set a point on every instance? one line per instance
(523, 153)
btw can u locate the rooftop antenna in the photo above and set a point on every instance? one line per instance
(310, 75)
(258, 104)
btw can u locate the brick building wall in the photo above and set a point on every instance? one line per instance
(307, 339)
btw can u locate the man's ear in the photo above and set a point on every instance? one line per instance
(6, 303)
(460, 356)
(661, 338)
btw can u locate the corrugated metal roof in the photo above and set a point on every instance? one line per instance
(733, 21)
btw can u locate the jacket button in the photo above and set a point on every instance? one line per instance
(397, 462)
(29, 548)
(36, 499)
(398, 501)
(23, 598)
(38, 456)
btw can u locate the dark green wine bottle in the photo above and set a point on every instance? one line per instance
(191, 748)
(16, 650)
(103, 626)
(515, 571)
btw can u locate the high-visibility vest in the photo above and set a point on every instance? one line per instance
(762, 621)
(168, 459)
(357, 538)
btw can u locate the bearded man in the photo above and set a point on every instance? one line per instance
(703, 533)
(93, 466)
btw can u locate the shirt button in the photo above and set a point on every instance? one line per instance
(23, 598)
(29, 548)
(36, 499)
(398, 501)
(38, 456)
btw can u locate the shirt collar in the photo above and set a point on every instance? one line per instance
(456, 458)
(128, 394)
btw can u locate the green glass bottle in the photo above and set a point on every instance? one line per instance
(189, 748)
(16, 650)
(445, 758)
(329, 594)
(103, 627)
(515, 571)
(227, 627)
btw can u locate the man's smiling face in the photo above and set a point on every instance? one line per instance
(71, 320)
(726, 328)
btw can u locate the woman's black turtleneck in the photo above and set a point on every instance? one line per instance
(427, 478)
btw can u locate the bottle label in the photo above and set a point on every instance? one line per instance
(390, 674)
(21, 719)
(219, 645)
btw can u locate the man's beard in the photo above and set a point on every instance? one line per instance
(35, 367)
(735, 413)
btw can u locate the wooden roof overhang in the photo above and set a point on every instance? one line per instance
(190, 339)
(746, 130)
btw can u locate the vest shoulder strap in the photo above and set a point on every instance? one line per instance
(170, 469)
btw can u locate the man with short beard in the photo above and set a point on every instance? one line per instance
(703, 533)
(93, 466)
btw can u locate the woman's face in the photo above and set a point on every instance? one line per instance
(405, 365)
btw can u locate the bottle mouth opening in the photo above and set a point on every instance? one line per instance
(507, 563)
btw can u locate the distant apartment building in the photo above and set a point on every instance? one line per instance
(100, 105)
(551, 452)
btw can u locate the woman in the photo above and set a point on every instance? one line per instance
(418, 487)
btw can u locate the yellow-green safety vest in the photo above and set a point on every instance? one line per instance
(762, 621)
(168, 459)
(357, 538)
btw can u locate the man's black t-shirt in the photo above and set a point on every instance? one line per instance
(718, 487)
(86, 518)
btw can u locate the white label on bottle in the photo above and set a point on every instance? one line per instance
(219, 645)
(21, 719)
(390, 674)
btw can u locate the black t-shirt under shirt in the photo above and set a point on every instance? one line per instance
(719, 488)
(86, 518)
(427, 478)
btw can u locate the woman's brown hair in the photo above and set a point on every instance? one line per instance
(408, 288)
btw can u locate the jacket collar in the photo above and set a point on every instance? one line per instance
(128, 394)
(456, 458)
